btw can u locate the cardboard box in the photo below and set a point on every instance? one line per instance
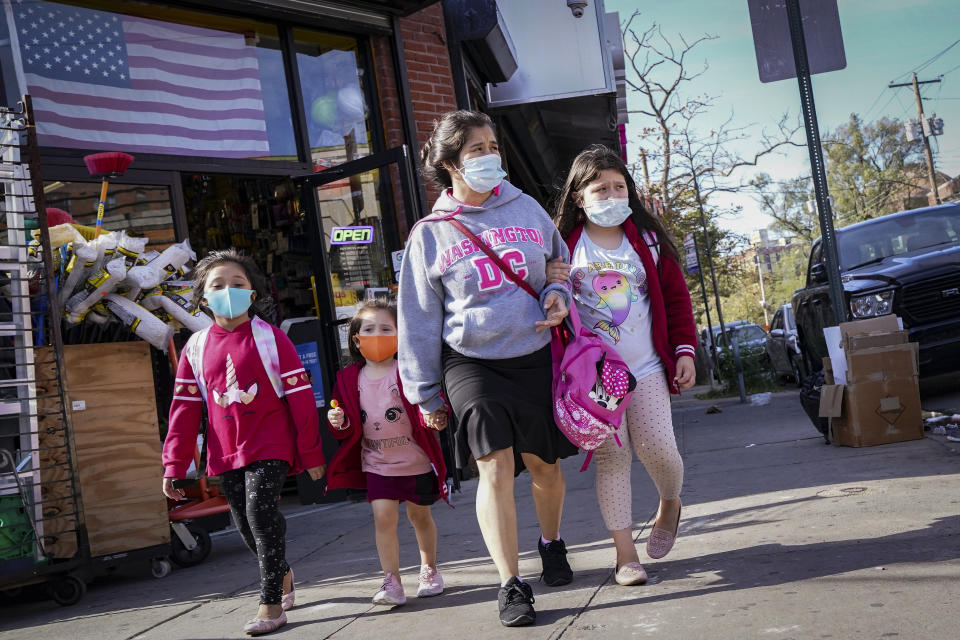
(879, 402)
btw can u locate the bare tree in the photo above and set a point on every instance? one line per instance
(680, 154)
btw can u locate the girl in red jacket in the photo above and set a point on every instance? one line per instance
(262, 419)
(630, 291)
(387, 449)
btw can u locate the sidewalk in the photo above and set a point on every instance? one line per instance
(782, 537)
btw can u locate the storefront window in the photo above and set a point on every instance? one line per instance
(140, 210)
(263, 218)
(138, 77)
(360, 267)
(334, 97)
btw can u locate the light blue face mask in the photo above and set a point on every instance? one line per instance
(608, 213)
(483, 173)
(229, 302)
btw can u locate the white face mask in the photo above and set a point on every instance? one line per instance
(483, 173)
(608, 213)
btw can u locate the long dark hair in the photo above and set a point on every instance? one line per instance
(585, 169)
(201, 273)
(446, 142)
(365, 307)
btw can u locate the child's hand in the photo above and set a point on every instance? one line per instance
(686, 372)
(170, 492)
(555, 309)
(436, 420)
(558, 271)
(336, 418)
(317, 472)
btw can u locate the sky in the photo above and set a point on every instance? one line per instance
(884, 40)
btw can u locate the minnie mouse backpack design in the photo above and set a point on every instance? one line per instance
(592, 387)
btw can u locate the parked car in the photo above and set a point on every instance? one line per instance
(905, 263)
(782, 347)
(748, 335)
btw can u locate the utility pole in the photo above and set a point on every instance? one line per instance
(926, 139)
(706, 248)
(763, 296)
(712, 348)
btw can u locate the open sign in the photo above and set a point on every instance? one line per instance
(351, 235)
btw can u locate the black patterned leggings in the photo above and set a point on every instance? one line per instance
(253, 493)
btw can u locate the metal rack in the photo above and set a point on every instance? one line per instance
(37, 472)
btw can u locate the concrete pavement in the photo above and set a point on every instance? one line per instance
(782, 537)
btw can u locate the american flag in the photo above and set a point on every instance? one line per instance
(106, 81)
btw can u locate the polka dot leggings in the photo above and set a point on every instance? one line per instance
(253, 494)
(650, 433)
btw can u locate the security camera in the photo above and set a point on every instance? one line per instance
(577, 7)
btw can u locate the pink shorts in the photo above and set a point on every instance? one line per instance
(421, 489)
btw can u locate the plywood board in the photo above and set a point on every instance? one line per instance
(114, 422)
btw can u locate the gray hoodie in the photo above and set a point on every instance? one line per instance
(450, 289)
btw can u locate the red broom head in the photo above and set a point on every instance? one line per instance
(110, 164)
(58, 216)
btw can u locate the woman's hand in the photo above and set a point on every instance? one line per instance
(686, 372)
(555, 309)
(317, 472)
(336, 418)
(558, 271)
(436, 420)
(170, 492)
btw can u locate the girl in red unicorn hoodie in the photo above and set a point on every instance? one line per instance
(387, 450)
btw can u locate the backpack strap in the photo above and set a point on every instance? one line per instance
(266, 342)
(193, 351)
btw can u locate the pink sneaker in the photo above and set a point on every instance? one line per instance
(391, 592)
(431, 582)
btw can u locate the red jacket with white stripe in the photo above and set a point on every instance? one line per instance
(674, 331)
(248, 421)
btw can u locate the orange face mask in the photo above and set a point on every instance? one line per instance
(377, 348)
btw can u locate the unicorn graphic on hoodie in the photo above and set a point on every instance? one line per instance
(614, 291)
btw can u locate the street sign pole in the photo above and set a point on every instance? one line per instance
(794, 19)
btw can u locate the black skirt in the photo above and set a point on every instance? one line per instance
(503, 403)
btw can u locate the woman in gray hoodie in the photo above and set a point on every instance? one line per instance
(467, 331)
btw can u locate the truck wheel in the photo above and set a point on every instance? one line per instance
(68, 590)
(797, 367)
(184, 557)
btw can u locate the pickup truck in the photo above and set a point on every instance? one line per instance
(905, 263)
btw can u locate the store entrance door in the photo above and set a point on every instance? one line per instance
(364, 209)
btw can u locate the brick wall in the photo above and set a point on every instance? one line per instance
(429, 79)
(428, 72)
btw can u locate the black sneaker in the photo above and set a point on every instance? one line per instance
(516, 604)
(556, 569)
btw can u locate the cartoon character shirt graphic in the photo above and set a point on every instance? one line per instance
(388, 448)
(610, 290)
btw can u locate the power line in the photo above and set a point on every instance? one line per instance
(926, 64)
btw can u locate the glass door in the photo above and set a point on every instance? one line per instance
(364, 209)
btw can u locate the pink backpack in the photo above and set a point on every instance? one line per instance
(591, 383)
(591, 386)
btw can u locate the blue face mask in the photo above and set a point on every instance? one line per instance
(608, 213)
(229, 302)
(483, 173)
